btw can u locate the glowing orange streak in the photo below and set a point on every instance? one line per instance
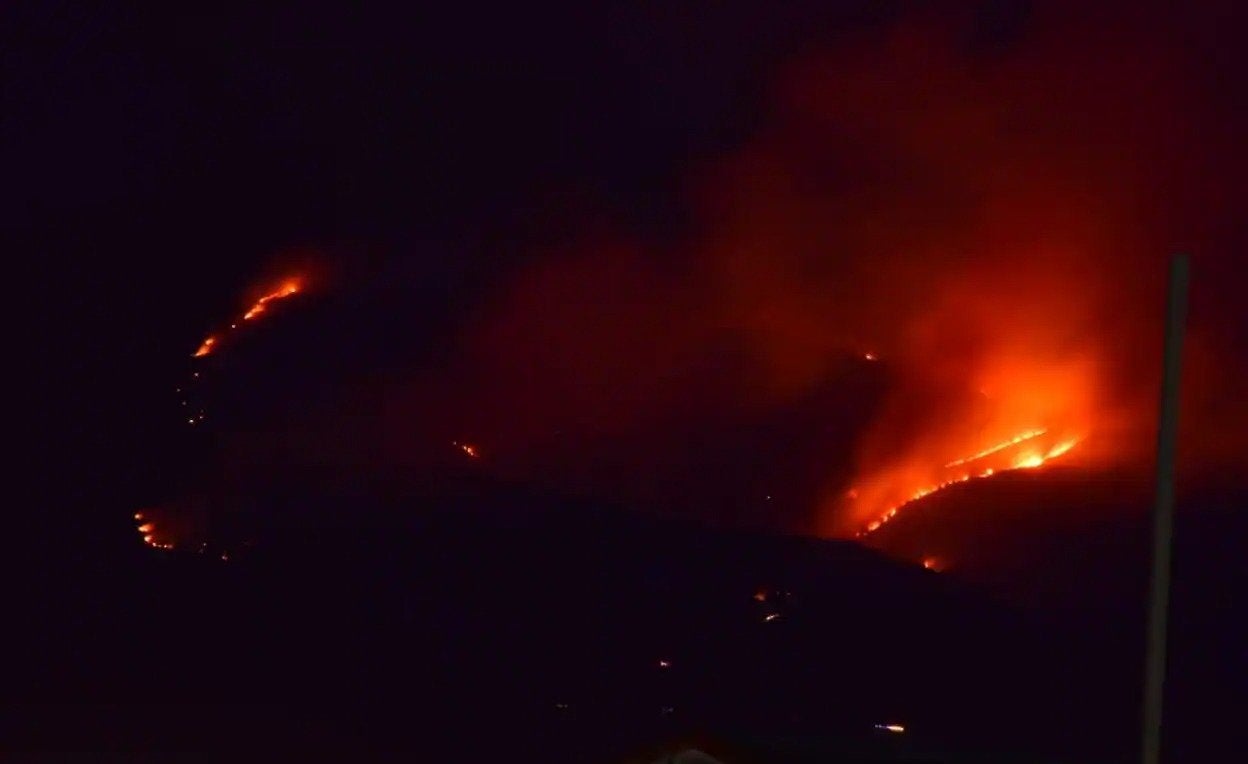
(286, 290)
(1025, 461)
(1061, 448)
(1000, 446)
(206, 347)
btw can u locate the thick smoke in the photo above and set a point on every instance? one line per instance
(993, 225)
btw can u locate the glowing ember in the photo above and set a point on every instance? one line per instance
(205, 347)
(146, 528)
(870, 356)
(467, 448)
(931, 563)
(894, 728)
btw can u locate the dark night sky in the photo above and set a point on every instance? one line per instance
(156, 161)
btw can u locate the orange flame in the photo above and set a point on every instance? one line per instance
(999, 447)
(205, 347)
(288, 287)
(1028, 459)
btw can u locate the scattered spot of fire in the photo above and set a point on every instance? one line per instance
(870, 356)
(467, 448)
(932, 564)
(894, 728)
(760, 595)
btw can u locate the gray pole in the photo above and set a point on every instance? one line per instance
(1163, 513)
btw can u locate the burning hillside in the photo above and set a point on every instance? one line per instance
(286, 288)
(913, 275)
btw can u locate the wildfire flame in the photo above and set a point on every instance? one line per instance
(205, 347)
(288, 287)
(1029, 458)
(999, 447)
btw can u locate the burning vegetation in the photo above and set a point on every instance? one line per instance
(979, 271)
(288, 287)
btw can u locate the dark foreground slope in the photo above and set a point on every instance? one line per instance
(503, 621)
(1074, 548)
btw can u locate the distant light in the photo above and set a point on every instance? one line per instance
(894, 728)
(768, 498)
(771, 617)
(665, 664)
(138, 515)
(561, 706)
(931, 563)
(666, 709)
(869, 356)
(760, 595)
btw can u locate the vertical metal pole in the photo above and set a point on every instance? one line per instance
(1163, 513)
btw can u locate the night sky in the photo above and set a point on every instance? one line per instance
(159, 161)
